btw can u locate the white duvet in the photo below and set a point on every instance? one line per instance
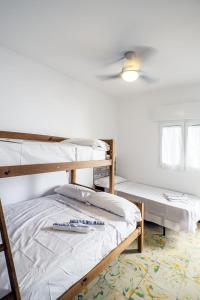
(48, 262)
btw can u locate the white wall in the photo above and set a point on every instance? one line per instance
(138, 142)
(38, 99)
(35, 98)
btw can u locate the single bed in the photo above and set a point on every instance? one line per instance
(49, 262)
(178, 216)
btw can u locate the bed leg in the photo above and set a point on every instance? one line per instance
(164, 231)
(141, 241)
(141, 224)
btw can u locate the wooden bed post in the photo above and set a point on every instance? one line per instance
(141, 224)
(5, 247)
(73, 176)
(112, 168)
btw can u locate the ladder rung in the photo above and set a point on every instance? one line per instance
(9, 296)
(2, 247)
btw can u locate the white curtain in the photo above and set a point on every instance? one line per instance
(193, 147)
(172, 146)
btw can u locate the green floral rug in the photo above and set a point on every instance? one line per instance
(168, 268)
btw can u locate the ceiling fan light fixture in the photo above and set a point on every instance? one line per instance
(129, 75)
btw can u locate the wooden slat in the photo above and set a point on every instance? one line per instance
(30, 136)
(36, 137)
(8, 257)
(77, 287)
(9, 171)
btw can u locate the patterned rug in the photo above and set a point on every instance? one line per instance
(168, 269)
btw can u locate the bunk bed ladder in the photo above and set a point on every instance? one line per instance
(5, 247)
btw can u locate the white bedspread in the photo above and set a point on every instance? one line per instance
(48, 262)
(34, 152)
(179, 216)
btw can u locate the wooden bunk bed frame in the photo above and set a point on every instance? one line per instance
(19, 170)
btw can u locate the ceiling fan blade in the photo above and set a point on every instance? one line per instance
(108, 77)
(144, 52)
(147, 78)
(114, 61)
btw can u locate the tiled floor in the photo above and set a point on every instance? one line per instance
(168, 268)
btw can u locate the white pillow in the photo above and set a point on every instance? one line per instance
(104, 181)
(117, 205)
(73, 191)
(94, 143)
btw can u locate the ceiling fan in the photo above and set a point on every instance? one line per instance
(131, 69)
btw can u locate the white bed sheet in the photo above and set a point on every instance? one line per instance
(89, 153)
(178, 216)
(48, 262)
(35, 152)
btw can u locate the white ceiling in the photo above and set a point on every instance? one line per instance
(81, 38)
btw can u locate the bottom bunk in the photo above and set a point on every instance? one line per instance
(48, 262)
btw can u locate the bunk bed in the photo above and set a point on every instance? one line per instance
(135, 232)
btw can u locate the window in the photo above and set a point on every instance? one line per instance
(193, 146)
(172, 149)
(180, 145)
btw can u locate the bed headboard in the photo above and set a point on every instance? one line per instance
(18, 170)
(100, 172)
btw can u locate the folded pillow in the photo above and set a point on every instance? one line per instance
(116, 205)
(104, 181)
(73, 191)
(94, 143)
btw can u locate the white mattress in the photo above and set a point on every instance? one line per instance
(49, 262)
(179, 216)
(34, 152)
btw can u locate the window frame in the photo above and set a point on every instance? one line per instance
(189, 123)
(181, 167)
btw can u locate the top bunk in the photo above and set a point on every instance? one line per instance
(25, 153)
